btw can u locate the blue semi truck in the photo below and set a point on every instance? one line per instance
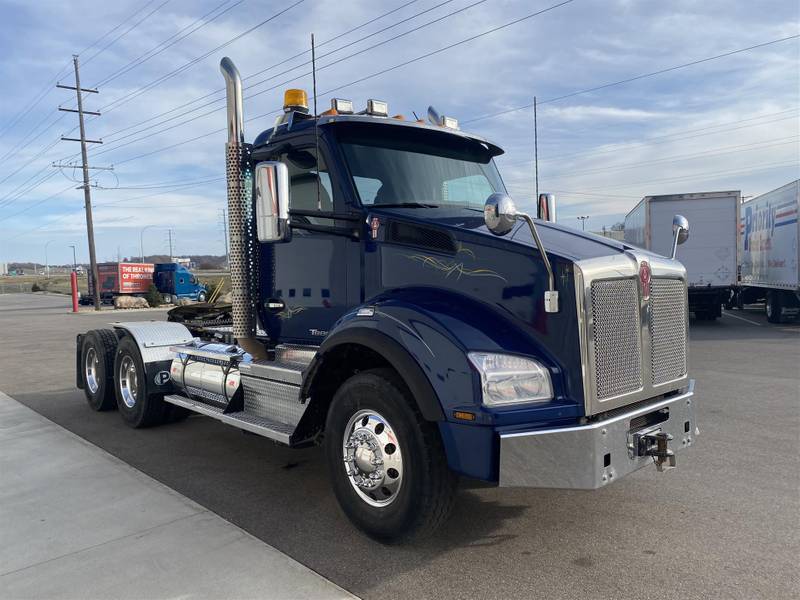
(391, 304)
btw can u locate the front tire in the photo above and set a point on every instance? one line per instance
(137, 405)
(387, 464)
(201, 297)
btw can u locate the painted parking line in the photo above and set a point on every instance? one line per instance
(727, 314)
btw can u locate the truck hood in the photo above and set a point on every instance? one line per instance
(564, 242)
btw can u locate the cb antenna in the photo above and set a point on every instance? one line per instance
(316, 118)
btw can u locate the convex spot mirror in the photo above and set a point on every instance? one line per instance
(272, 202)
(680, 227)
(499, 213)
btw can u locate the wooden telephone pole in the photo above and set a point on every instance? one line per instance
(87, 195)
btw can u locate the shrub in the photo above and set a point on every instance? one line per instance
(153, 296)
(35, 287)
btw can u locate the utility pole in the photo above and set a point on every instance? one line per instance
(583, 220)
(74, 260)
(87, 195)
(169, 233)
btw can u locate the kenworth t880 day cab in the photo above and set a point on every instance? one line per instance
(391, 304)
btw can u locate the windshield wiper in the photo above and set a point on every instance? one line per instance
(406, 205)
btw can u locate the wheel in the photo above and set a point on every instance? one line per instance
(138, 407)
(201, 297)
(97, 368)
(168, 299)
(387, 464)
(774, 307)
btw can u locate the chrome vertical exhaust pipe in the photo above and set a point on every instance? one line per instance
(243, 247)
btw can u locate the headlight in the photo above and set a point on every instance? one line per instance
(507, 379)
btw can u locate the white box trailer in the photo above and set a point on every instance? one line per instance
(710, 253)
(769, 252)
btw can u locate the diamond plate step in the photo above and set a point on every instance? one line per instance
(280, 432)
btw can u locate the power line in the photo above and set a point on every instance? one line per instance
(35, 204)
(222, 90)
(22, 145)
(131, 28)
(170, 41)
(725, 150)
(635, 78)
(711, 175)
(381, 72)
(130, 96)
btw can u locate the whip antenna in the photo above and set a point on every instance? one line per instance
(316, 118)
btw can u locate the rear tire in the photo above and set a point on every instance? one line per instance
(137, 405)
(97, 368)
(774, 307)
(413, 489)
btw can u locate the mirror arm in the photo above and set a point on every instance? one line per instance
(675, 242)
(550, 296)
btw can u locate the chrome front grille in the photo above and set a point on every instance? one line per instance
(617, 337)
(632, 349)
(667, 330)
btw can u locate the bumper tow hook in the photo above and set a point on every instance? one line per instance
(656, 444)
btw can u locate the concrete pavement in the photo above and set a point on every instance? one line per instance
(721, 525)
(78, 523)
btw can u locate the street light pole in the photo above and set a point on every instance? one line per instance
(47, 262)
(583, 220)
(141, 240)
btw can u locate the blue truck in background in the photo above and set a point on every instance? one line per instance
(390, 303)
(176, 282)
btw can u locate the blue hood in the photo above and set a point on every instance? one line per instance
(564, 242)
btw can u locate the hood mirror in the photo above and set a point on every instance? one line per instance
(500, 213)
(680, 231)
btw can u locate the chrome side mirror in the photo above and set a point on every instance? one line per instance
(546, 207)
(272, 202)
(500, 213)
(680, 232)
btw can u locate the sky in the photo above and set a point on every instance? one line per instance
(730, 123)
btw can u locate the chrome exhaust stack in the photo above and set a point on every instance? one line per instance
(243, 245)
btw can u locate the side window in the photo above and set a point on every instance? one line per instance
(303, 176)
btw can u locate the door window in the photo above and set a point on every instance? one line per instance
(310, 185)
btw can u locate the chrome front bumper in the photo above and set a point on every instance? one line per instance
(591, 456)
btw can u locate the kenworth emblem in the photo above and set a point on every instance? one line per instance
(644, 279)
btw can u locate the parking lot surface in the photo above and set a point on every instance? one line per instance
(721, 525)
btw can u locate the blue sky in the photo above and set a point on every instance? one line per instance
(730, 123)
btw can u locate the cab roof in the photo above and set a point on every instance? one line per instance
(300, 122)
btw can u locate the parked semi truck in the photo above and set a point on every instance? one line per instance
(173, 281)
(769, 253)
(709, 256)
(390, 303)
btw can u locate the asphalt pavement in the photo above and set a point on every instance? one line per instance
(724, 524)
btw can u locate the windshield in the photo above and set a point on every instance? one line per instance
(416, 174)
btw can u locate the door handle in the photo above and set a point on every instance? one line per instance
(275, 305)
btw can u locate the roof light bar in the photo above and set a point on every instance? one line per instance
(449, 122)
(342, 106)
(377, 108)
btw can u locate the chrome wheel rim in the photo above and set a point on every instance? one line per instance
(373, 460)
(128, 381)
(91, 364)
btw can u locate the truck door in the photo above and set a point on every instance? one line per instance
(305, 280)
